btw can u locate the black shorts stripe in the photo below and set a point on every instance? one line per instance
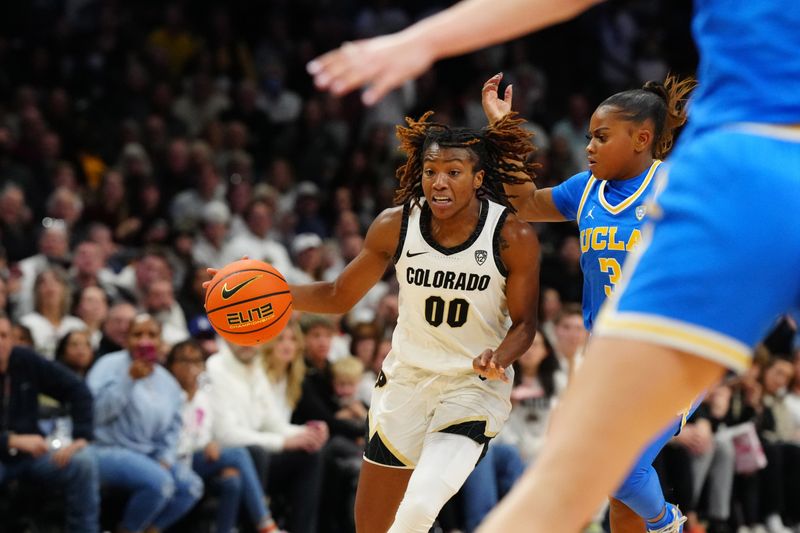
(377, 452)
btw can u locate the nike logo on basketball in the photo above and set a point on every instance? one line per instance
(409, 254)
(227, 293)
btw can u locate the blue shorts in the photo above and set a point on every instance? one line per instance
(721, 259)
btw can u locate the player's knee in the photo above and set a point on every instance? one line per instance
(422, 507)
(631, 486)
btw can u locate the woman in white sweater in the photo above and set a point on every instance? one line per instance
(286, 456)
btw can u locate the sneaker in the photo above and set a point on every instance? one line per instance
(675, 525)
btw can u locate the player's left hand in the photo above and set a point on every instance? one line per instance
(495, 107)
(487, 366)
(381, 64)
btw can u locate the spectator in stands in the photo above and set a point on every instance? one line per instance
(110, 206)
(159, 301)
(211, 238)
(188, 206)
(229, 470)
(92, 309)
(16, 230)
(151, 265)
(716, 467)
(204, 334)
(50, 319)
(307, 253)
(24, 452)
(257, 241)
(780, 483)
(138, 409)
(88, 269)
(286, 455)
(74, 351)
(571, 336)
(286, 368)
(115, 328)
(53, 250)
(382, 349)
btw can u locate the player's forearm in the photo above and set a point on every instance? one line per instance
(474, 24)
(517, 341)
(320, 297)
(520, 195)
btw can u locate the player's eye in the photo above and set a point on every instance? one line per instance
(427, 172)
(454, 173)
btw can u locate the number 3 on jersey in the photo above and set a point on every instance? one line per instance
(457, 310)
(610, 266)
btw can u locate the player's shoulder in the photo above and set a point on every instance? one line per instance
(384, 232)
(517, 232)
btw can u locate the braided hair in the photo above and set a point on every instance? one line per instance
(501, 150)
(663, 103)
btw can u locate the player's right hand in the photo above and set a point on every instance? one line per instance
(381, 64)
(487, 366)
(495, 107)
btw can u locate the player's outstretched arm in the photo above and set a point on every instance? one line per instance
(519, 250)
(532, 204)
(359, 275)
(384, 63)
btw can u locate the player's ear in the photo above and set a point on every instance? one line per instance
(477, 179)
(643, 138)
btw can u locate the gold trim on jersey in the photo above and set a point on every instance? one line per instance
(617, 209)
(675, 334)
(584, 196)
(784, 132)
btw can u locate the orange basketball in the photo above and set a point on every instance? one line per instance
(248, 302)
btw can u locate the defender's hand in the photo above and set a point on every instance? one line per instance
(381, 64)
(495, 107)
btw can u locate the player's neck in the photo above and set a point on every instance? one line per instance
(457, 229)
(638, 167)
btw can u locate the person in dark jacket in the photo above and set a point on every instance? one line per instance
(61, 459)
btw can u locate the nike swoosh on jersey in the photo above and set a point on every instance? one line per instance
(409, 254)
(227, 293)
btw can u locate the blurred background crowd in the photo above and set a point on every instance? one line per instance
(141, 142)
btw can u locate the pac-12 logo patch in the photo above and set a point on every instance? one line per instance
(641, 211)
(480, 256)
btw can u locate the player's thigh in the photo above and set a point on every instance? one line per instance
(399, 417)
(721, 261)
(380, 491)
(623, 519)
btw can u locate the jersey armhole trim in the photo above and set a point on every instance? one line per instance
(498, 260)
(584, 196)
(403, 230)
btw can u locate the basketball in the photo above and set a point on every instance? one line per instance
(248, 302)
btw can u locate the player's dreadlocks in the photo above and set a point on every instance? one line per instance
(501, 150)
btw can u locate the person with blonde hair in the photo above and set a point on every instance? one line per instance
(285, 367)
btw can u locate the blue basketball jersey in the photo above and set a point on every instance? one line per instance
(749, 62)
(610, 215)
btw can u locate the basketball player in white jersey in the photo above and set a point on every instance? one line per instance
(469, 281)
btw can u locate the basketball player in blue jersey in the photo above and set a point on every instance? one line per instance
(718, 264)
(467, 268)
(629, 135)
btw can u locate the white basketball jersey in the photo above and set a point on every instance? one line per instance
(452, 301)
